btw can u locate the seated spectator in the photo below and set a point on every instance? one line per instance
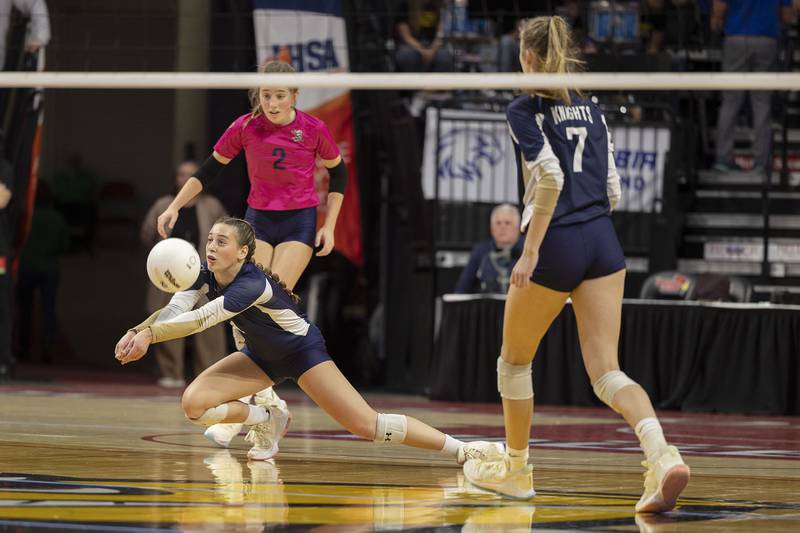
(491, 261)
(419, 44)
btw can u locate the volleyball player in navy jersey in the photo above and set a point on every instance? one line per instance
(277, 343)
(565, 160)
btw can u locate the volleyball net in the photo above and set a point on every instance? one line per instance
(444, 137)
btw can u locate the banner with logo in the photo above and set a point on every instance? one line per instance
(475, 157)
(476, 160)
(640, 154)
(311, 36)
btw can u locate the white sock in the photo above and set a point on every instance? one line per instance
(451, 446)
(246, 399)
(257, 415)
(651, 437)
(517, 459)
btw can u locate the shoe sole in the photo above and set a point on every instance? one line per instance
(492, 490)
(672, 485)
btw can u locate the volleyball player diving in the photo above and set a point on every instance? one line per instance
(566, 162)
(277, 343)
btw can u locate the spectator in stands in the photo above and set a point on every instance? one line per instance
(491, 261)
(39, 271)
(752, 28)
(38, 34)
(419, 38)
(197, 218)
(6, 187)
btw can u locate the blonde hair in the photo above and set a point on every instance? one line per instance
(549, 39)
(271, 66)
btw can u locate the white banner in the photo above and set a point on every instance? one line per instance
(476, 160)
(476, 157)
(640, 154)
(308, 34)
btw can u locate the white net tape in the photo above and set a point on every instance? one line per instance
(228, 80)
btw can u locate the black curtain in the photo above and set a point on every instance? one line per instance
(689, 357)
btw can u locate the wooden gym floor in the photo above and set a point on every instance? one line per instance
(121, 457)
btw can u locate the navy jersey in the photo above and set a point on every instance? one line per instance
(571, 143)
(264, 314)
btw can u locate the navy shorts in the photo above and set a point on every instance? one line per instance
(570, 254)
(275, 227)
(292, 366)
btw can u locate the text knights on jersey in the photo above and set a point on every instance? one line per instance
(571, 112)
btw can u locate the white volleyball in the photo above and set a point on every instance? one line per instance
(173, 265)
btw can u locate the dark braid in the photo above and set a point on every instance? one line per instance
(247, 237)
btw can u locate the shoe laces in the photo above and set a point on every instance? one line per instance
(259, 435)
(650, 482)
(480, 451)
(493, 470)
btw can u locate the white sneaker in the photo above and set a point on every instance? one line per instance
(480, 449)
(664, 480)
(265, 436)
(497, 476)
(267, 396)
(222, 434)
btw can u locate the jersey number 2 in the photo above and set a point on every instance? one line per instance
(281, 153)
(577, 160)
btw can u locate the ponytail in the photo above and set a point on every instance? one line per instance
(549, 39)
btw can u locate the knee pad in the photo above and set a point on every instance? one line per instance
(514, 381)
(391, 428)
(212, 416)
(610, 384)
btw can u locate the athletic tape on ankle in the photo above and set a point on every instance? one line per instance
(609, 384)
(514, 381)
(212, 416)
(391, 428)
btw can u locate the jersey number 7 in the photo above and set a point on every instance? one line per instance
(577, 159)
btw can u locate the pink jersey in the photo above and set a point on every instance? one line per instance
(280, 159)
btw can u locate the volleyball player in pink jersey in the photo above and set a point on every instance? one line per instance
(281, 145)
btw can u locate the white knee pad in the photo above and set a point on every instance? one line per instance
(212, 416)
(514, 381)
(610, 384)
(391, 428)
